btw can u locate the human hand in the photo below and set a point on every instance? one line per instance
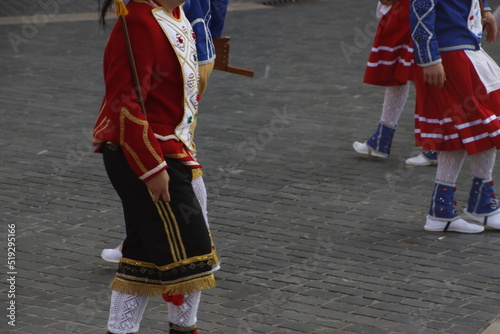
(434, 75)
(491, 27)
(158, 187)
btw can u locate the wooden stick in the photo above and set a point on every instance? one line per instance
(222, 46)
(240, 71)
(133, 69)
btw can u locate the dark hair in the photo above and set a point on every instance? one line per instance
(104, 8)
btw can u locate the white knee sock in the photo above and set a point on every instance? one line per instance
(449, 166)
(200, 192)
(185, 315)
(201, 195)
(395, 98)
(482, 164)
(125, 312)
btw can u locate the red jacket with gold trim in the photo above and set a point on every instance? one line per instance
(144, 140)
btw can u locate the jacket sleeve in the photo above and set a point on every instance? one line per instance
(486, 6)
(121, 110)
(198, 14)
(422, 21)
(207, 19)
(218, 10)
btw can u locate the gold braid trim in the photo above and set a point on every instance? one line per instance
(125, 115)
(142, 289)
(211, 259)
(197, 173)
(146, 2)
(177, 155)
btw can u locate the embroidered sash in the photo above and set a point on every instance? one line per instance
(180, 35)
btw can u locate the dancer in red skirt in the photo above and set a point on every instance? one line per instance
(391, 65)
(458, 107)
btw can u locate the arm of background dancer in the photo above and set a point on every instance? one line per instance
(434, 75)
(158, 187)
(218, 10)
(491, 27)
(496, 15)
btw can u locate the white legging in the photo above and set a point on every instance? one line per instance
(126, 312)
(450, 164)
(395, 98)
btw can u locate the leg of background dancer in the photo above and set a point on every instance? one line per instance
(442, 212)
(379, 144)
(483, 204)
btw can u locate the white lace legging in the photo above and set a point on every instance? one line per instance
(395, 98)
(450, 164)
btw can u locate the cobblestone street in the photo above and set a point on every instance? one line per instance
(313, 238)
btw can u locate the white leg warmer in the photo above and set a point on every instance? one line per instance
(482, 164)
(125, 312)
(449, 166)
(201, 194)
(395, 98)
(185, 315)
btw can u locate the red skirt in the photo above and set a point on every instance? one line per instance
(391, 60)
(461, 115)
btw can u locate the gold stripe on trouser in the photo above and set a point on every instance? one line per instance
(172, 231)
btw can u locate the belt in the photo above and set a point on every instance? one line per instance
(111, 146)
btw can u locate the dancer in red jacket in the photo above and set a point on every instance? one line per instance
(149, 155)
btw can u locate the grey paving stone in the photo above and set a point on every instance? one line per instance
(315, 239)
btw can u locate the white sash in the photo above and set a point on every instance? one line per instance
(180, 35)
(486, 68)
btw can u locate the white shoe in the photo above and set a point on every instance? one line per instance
(420, 160)
(492, 221)
(457, 225)
(363, 148)
(112, 254)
